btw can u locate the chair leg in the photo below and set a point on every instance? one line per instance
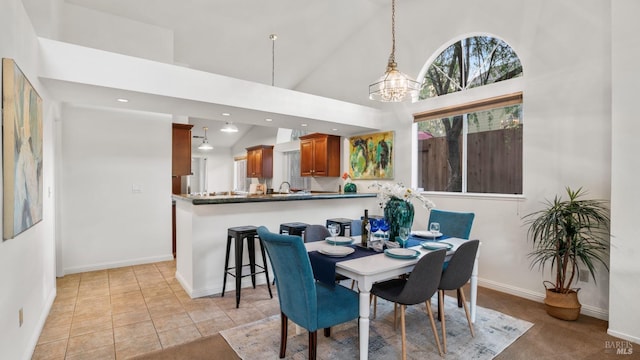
(327, 332)
(353, 283)
(442, 320)
(395, 315)
(433, 327)
(313, 344)
(466, 310)
(284, 322)
(404, 337)
(459, 291)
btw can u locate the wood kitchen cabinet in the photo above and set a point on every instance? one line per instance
(319, 155)
(181, 150)
(260, 161)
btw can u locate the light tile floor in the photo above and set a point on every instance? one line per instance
(129, 311)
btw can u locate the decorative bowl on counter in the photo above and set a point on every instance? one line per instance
(350, 187)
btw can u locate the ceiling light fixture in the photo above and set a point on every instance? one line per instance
(229, 128)
(273, 38)
(122, 100)
(205, 142)
(394, 86)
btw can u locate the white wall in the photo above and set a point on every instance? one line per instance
(624, 308)
(565, 51)
(27, 262)
(116, 188)
(100, 30)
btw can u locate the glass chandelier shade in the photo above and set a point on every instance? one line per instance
(394, 86)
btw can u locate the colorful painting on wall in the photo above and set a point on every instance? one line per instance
(21, 150)
(371, 156)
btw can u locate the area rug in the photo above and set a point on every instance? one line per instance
(494, 331)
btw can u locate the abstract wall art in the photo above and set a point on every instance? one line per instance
(21, 151)
(371, 156)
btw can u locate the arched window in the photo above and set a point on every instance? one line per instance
(471, 147)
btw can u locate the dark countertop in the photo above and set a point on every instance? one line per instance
(235, 199)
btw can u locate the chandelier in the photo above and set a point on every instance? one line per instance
(394, 86)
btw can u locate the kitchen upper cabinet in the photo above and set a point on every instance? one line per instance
(260, 161)
(319, 155)
(181, 150)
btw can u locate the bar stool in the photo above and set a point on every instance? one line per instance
(293, 228)
(239, 234)
(344, 223)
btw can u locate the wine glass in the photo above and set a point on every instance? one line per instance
(334, 229)
(403, 233)
(383, 225)
(434, 227)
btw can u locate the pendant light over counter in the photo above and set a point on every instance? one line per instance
(394, 86)
(205, 142)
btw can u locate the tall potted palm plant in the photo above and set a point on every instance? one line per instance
(566, 234)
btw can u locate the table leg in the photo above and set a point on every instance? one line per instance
(364, 319)
(474, 290)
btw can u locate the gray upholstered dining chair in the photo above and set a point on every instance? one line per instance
(421, 285)
(308, 303)
(453, 224)
(318, 233)
(454, 277)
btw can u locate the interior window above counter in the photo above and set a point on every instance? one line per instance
(320, 155)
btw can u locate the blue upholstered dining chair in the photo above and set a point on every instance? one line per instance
(308, 303)
(356, 227)
(452, 223)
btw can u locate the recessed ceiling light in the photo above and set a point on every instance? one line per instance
(334, 129)
(122, 100)
(268, 120)
(226, 114)
(303, 125)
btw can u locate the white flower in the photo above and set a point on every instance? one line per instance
(387, 190)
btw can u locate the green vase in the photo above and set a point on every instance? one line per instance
(398, 213)
(350, 187)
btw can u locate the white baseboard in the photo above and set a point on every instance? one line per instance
(42, 319)
(200, 292)
(117, 264)
(623, 336)
(589, 310)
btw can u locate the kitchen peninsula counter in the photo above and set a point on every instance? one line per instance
(202, 223)
(234, 199)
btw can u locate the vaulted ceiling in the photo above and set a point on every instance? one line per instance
(231, 38)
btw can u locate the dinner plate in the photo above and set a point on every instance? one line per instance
(336, 251)
(400, 253)
(339, 240)
(436, 245)
(426, 234)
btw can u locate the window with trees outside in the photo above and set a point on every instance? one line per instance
(473, 147)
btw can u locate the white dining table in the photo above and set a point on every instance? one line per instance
(371, 269)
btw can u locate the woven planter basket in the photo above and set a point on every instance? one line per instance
(563, 306)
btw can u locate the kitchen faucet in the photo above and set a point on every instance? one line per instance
(288, 187)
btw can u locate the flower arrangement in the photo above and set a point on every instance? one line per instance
(388, 191)
(346, 177)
